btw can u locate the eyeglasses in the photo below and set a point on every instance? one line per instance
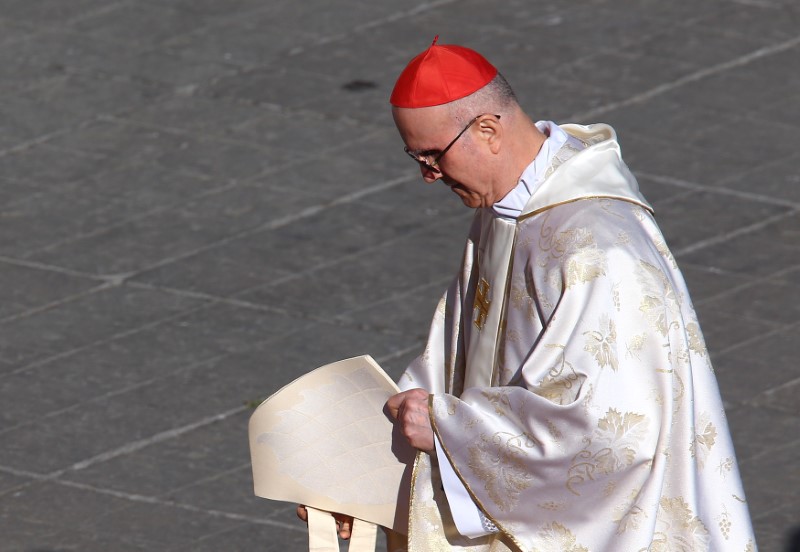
(427, 159)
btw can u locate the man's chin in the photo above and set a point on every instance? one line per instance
(466, 199)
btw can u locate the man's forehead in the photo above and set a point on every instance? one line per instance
(423, 122)
(423, 118)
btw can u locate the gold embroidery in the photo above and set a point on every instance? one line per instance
(585, 261)
(602, 343)
(553, 506)
(661, 247)
(520, 299)
(705, 435)
(555, 433)
(500, 463)
(629, 515)
(607, 205)
(724, 523)
(482, 303)
(725, 466)
(677, 529)
(634, 345)
(659, 303)
(554, 537)
(678, 391)
(499, 400)
(614, 447)
(696, 342)
(585, 266)
(562, 383)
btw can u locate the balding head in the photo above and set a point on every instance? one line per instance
(496, 97)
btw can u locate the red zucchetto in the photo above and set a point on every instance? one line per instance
(441, 74)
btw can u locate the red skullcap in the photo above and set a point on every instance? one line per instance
(440, 75)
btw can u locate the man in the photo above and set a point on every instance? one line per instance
(565, 400)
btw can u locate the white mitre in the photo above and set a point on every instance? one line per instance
(324, 441)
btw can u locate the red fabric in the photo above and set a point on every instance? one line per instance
(441, 74)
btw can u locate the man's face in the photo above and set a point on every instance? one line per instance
(429, 130)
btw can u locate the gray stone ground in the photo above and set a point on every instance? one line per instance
(202, 200)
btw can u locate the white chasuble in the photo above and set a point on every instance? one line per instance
(584, 414)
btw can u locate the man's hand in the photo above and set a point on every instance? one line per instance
(410, 409)
(344, 524)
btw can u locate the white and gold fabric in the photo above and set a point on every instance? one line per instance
(324, 441)
(572, 392)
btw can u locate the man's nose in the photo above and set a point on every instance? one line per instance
(428, 175)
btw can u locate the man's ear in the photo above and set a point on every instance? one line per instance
(491, 131)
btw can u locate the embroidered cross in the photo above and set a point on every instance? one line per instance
(481, 303)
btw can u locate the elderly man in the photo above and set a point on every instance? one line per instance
(565, 400)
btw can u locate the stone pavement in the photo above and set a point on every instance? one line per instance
(202, 200)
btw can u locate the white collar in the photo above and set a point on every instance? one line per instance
(533, 175)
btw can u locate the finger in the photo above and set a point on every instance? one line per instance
(394, 403)
(302, 513)
(345, 528)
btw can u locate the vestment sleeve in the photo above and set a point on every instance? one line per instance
(578, 425)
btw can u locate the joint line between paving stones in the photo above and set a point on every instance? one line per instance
(727, 236)
(50, 268)
(366, 135)
(47, 136)
(140, 384)
(137, 445)
(690, 78)
(768, 452)
(171, 503)
(114, 393)
(747, 342)
(163, 208)
(126, 333)
(397, 16)
(233, 301)
(693, 186)
(442, 282)
(54, 304)
(749, 283)
(282, 221)
(345, 258)
(768, 393)
(399, 353)
(37, 477)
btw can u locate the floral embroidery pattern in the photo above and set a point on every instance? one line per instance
(499, 462)
(696, 342)
(614, 447)
(629, 515)
(554, 537)
(584, 260)
(520, 299)
(678, 529)
(562, 383)
(705, 435)
(659, 303)
(635, 345)
(499, 400)
(602, 343)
